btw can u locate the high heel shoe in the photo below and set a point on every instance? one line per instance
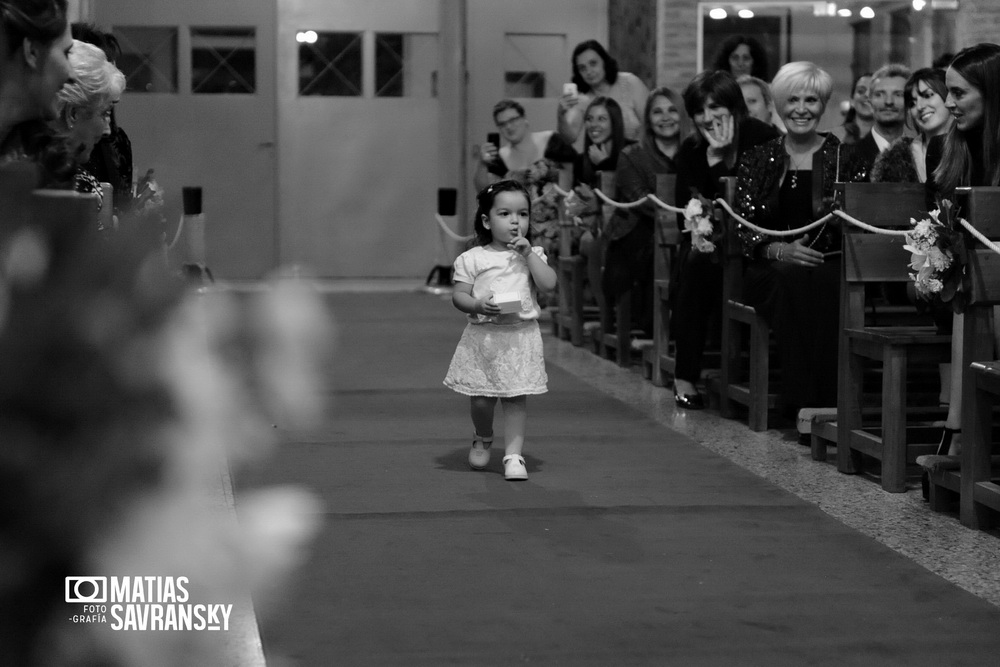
(942, 450)
(689, 401)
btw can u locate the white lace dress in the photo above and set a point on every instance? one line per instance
(500, 355)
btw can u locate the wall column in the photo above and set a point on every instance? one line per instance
(452, 92)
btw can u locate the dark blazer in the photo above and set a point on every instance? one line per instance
(857, 160)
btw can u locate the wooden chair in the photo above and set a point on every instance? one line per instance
(741, 325)
(872, 259)
(888, 205)
(969, 475)
(658, 357)
(612, 339)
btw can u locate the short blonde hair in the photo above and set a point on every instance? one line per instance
(801, 75)
(97, 81)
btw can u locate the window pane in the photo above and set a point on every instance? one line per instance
(405, 64)
(330, 65)
(534, 65)
(149, 58)
(223, 60)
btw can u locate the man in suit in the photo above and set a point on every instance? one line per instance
(886, 94)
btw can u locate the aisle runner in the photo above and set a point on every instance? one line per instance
(629, 545)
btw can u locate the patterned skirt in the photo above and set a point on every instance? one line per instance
(502, 360)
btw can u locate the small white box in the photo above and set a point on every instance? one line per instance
(509, 302)
(569, 89)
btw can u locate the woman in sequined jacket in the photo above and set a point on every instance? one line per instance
(793, 283)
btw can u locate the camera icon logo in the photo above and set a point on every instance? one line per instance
(86, 590)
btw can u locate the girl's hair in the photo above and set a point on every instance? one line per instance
(980, 66)
(106, 41)
(801, 75)
(672, 95)
(610, 64)
(588, 170)
(485, 199)
(97, 81)
(933, 78)
(759, 67)
(41, 21)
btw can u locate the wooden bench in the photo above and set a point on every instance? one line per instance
(873, 259)
(742, 328)
(968, 476)
(567, 321)
(888, 205)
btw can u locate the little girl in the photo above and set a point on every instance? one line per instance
(500, 353)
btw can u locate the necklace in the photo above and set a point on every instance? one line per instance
(797, 161)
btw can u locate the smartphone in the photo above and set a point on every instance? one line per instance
(569, 89)
(493, 138)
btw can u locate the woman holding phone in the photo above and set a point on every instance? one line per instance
(596, 74)
(725, 130)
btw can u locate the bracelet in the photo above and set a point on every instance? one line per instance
(781, 249)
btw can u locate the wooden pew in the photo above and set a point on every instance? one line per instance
(658, 357)
(612, 339)
(738, 319)
(568, 319)
(969, 475)
(872, 259)
(888, 205)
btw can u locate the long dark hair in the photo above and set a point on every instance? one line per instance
(588, 170)
(485, 199)
(932, 77)
(721, 86)
(40, 21)
(759, 67)
(610, 64)
(980, 66)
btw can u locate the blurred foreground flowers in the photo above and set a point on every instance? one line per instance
(125, 399)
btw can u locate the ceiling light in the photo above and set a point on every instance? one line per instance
(867, 13)
(746, 14)
(718, 13)
(845, 12)
(919, 4)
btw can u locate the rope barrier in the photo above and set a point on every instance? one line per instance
(877, 230)
(979, 235)
(447, 230)
(616, 204)
(771, 232)
(668, 207)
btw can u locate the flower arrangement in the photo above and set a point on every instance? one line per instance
(698, 222)
(938, 255)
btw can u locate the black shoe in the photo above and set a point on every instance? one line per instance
(942, 450)
(689, 401)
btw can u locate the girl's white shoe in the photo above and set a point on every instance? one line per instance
(513, 468)
(479, 455)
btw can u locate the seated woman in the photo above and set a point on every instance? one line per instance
(34, 44)
(604, 141)
(595, 74)
(967, 155)
(794, 284)
(860, 116)
(531, 158)
(905, 160)
(630, 232)
(83, 117)
(741, 55)
(726, 131)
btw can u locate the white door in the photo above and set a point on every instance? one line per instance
(205, 116)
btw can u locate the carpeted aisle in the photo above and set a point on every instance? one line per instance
(629, 544)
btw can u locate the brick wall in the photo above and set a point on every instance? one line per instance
(978, 21)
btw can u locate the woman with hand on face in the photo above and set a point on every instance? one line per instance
(968, 154)
(630, 232)
(595, 74)
(34, 47)
(725, 131)
(604, 140)
(794, 283)
(861, 116)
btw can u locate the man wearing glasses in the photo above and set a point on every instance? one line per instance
(886, 95)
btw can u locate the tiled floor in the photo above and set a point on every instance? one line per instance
(903, 522)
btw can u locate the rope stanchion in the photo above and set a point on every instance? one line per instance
(560, 191)
(447, 230)
(866, 226)
(771, 232)
(618, 204)
(979, 235)
(656, 200)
